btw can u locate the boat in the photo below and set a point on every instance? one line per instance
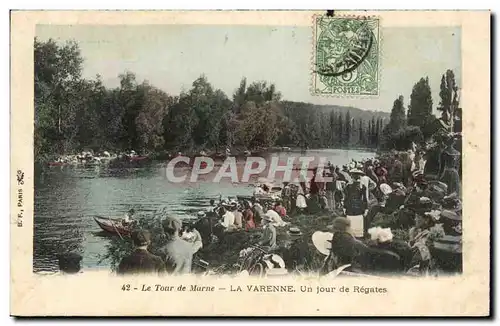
(112, 225)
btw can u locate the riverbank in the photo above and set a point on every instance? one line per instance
(162, 155)
(225, 252)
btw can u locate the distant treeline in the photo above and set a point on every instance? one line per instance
(74, 114)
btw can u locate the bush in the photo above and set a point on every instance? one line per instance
(402, 138)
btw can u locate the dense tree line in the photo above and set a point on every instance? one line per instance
(419, 124)
(74, 114)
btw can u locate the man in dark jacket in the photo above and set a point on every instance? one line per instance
(356, 203)
(141, 261)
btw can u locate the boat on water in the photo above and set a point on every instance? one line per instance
(112, 225)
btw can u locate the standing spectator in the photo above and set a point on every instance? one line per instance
(177, 253)
(141, 261)
(356, 203)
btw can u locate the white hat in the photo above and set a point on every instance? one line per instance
(356, 171)
(272, 260)
(267, 217)
(385, 188)
(380, 234)
(321, 241)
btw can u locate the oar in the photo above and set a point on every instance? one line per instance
(112, 223)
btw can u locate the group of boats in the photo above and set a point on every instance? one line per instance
(88, 158)
(103, 158)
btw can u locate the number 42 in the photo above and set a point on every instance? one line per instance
(126, 287)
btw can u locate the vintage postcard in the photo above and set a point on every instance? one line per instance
(250, 163)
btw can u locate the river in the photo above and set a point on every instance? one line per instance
(67, 198)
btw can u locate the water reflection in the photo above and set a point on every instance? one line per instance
(67, 198)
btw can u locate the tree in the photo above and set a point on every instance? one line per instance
(397, 123)
(373, 136)
(149, 126)
(420, 108)
(340, 130)
(378, 131)
(348, 129)
(361, 133)
(333, 125)
(239, 96)
(57, 69)
(398, 118)
(449, 95)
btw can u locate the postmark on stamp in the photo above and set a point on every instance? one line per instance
(346, 56)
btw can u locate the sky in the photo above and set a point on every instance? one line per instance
(171, 57)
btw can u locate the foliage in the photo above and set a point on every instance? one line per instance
(74, 114)
(420, 108)
(449, 104)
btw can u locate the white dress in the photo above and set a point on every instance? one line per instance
(356, 225)
(300, 202)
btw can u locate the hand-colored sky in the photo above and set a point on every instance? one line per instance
(171, 57)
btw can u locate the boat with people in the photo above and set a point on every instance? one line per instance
(113, 225)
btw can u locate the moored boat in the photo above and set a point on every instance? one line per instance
(112, 225)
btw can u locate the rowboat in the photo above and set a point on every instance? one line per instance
(112, 225)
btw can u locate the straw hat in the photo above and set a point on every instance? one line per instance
(356, 171)
(322, 241)
(385, 188)
(294, 232)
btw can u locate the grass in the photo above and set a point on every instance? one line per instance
(226, 250)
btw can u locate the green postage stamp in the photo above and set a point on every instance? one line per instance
(346, 56)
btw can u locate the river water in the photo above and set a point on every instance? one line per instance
(67, 198)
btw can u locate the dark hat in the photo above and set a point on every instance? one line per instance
(69, 257)
(294, 232)
(344, 246)
(171, 223)
(141, 237)
(131, 211)
(341, 224)
(69, 262)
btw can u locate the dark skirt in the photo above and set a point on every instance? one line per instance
(452, 180)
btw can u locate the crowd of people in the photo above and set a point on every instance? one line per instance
(399, 213)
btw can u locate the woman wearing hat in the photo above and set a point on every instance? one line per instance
(421, 237)
(447, 250)
(268, 238)
(297, 251)
(191, 235)
(450, 164)
(380, 207)
(248, 216)
(300, 202)
(393, 255)
(340, 247)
